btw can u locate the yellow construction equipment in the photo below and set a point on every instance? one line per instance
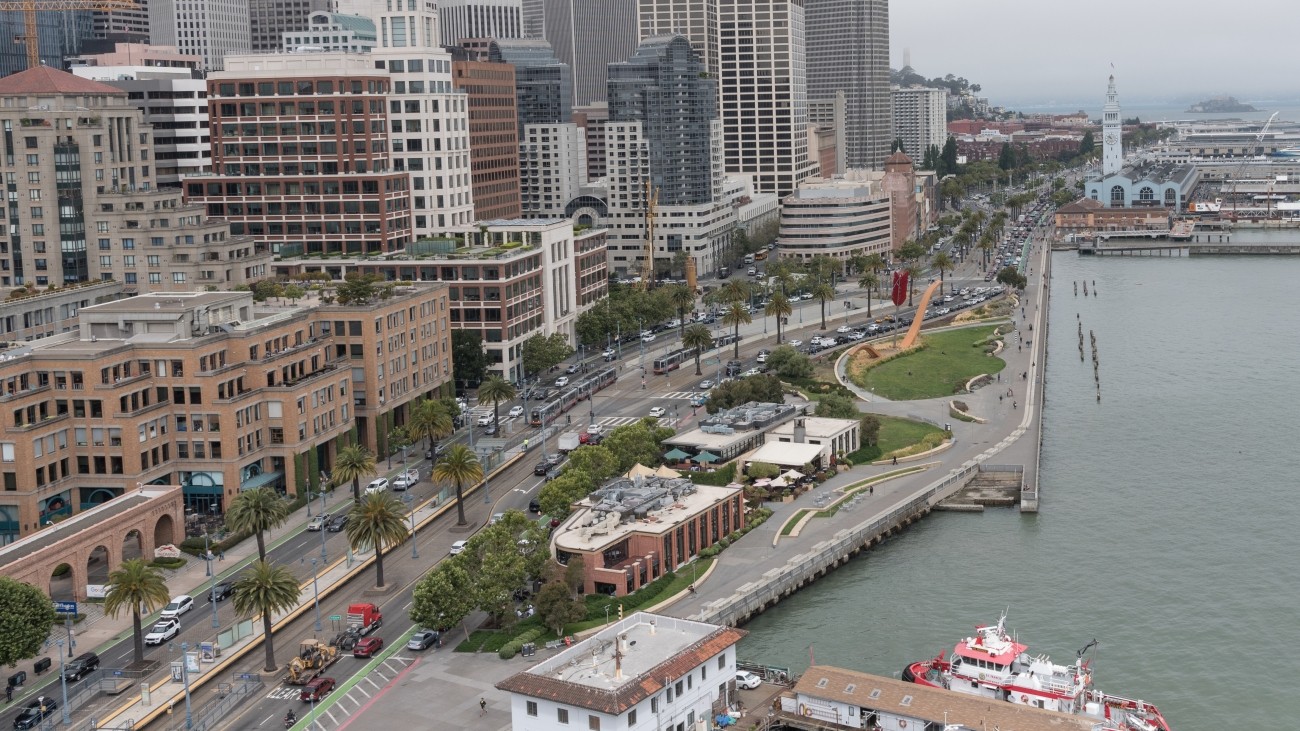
(690, 272)
(312, 659)
(651, 210)
(29, 9)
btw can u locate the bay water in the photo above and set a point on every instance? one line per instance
(1170, 511)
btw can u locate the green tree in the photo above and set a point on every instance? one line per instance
(736, 316)
(378, 522)
(358, 289)
(140, 588)
(541, 352)
(778, 306)
(257, 511)
(735, 290)
(468, 355)
(765, 388)
(789, 363)
(931, 159)
(897, 146)
(986, 246)
(637, 443)
(293, 293)
(762, 470)
(836, 406)
(265, 589)
(823, 292)
(1007, 157)
(914, 273)
(1088, 144)
(498, 567)
(684, 300)
(458, 466)
(430, 420)
(1011, 277)
(948, 158)
(557, 496)
(869, 281)
(445, 597)
(595, 460)
(557, 606)
(870, 429)
(943, 263)
(496, 389)
(353, 463)
(911, 250)
(26, 617)
(698, 338)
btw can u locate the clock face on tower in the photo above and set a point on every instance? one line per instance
(1111, 138)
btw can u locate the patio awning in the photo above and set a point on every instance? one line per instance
(262, 480)
(667, 472)
(640, 470)
(676, 455)
(778, 482)
(706, 457)
(792, 475)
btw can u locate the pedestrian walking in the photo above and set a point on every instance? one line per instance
(221, 555)
(895, 460)
(482, 706)
(1013, 404)
(9, 694)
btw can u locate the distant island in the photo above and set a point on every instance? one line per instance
(1220, 105)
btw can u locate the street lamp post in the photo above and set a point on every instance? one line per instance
(63, 681)
(185, 678)
(212, 590)
(207, 551)
(315, 590)
(322, 542)
(410, 501)
(67, 627)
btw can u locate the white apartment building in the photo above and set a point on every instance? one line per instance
(211, 29)
(333, 32)
(428, 116)
(643, 673)
(551, 162)
(920, 119)
(462, 19)
(842, 217)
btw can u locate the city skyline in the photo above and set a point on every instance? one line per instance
(1040, 65)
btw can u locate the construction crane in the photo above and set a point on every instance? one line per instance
(29, 8)
(651, 210)
(1245, 160)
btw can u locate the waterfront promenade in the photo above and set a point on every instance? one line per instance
(1011, 436)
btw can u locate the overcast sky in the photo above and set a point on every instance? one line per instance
(1050, 51)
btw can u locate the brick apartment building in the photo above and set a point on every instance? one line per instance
(493, 134)
(211, 391)
(301, 157)
(80, 170)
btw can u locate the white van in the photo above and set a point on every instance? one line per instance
(749, 258)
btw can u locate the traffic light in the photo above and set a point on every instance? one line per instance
(620, 612)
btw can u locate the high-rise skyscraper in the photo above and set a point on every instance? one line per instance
(663, 137)
(269, 20)
(587, 35)
(695, 19)
(493, 133)
(61, 33)
(210, 29)
(461, 19)
(848, 50)
(920, 119)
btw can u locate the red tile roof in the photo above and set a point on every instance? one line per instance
(46, 80)
(633, 691)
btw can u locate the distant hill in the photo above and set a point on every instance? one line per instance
(1220, 105)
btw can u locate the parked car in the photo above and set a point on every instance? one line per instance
(422, 640)
(178, 606)
(221, 591)
(647, 337)
(162, 631)
(316, 689)
(706, 384)
(573, 368)
(497, 518)
(516, 412)
(368, 646)
(406, 480)
(562, 381)
(534, 506)
(657, 411)
(794, 343)
(458, 547)
(337, 523)
(762, 357)
(747, 680)
(608, 354)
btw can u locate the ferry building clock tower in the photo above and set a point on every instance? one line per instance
(1112, 151)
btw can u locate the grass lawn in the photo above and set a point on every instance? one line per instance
(895, 433)
(949, 360)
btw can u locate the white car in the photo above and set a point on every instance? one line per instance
(607, 353)
(751, 372)
(178, 606)
(163, 631)
(747, 680)
(706, 384)
(794, 343)
(657, 411)
(379, 484)
(843, 329)
(562, 381)
(484, 420)
(762, 357)
(406, 480)
(595, 430)
(647, 337)
(458, 546)
(516, 411)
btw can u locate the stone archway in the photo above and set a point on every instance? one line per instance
(132, 545)
(98, 564)
(164, 531)
(63, 583)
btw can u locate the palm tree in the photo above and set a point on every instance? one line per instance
(823, 291)
(459, 466)
(736, 316)
(736, 290)
(913, 272)
(265, 589)
(868, 281)
(140, 587)
(257, 511)
(353, 463)
(875, 262)
(430, 420)
(683, 299)
(779, 306)
(986, 245)
(697, 336)
(377, 522)
(496, 389)
(943, 263)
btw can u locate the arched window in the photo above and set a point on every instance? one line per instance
(1117, 195)
(1146, 195)
(1171, 198)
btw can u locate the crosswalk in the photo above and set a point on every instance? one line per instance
(613, 421)
(684, 395)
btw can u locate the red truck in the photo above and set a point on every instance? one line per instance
(364, 618)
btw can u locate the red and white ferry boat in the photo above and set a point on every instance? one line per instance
(991, 664)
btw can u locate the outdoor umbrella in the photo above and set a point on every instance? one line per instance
(763, 482)
(778, 482)
(706, 457)
(676, 455)
(793, 475)
(667, 472)
(641, 470)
